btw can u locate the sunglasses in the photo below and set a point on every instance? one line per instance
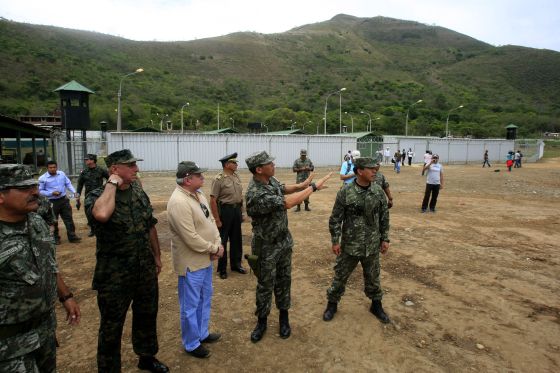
(205, 210)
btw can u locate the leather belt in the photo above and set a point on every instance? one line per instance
(232, 205)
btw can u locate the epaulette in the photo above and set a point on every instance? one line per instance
(219, 176)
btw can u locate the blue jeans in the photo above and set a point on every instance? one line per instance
(195, 298)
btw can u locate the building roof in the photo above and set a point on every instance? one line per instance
(511, 125)
(223, 130)
(287, 132)
(73, 86)
(9, 128)
(353, 134)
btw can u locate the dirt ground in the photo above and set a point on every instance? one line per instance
(472, 287)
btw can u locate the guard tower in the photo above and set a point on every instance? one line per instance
(74, 107)
(511, 133)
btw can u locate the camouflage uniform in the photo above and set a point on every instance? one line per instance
(359, 221)
(45, 210)
(272, 242)
(125, 273)
(381, 180)
(91, 178)
(303, 175)
(27, 289)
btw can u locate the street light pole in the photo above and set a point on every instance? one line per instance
(447, 121)
(232, 123)
(119, 122)
(326, 102)
(406, 123)
(352, 119)
(182, 107)
(369, 120)
(340, 109)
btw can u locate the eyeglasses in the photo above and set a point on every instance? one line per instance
(205, 210)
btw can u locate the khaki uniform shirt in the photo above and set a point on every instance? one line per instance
(227, 189)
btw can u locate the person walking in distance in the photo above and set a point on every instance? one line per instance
(195, 242)
(359, 228)
(267, 201)
(486, 162)
(347, 168)
(434, 183)
(303, 167)
(53, 184)
(226, 202)
(410, 155)
(128, 262)
(92, 178)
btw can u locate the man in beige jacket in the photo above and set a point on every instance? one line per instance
(195, 242)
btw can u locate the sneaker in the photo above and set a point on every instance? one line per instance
(199, 352)
(424, 211)
(432, 210)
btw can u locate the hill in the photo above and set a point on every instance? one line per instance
(385, 65)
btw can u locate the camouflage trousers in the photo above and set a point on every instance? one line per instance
(40, 360)
(344, 267)
(113, 305)
(275, 275)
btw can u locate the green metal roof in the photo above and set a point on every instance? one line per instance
(73, 86)
(287, 132)
(353, 134)
(223, 130)
(511, 125)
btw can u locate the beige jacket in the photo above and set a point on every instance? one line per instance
(193, 235)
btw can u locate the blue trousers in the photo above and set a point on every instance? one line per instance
(195, 298)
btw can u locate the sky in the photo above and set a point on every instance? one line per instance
(534, 24)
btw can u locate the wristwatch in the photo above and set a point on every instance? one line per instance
(114, 182)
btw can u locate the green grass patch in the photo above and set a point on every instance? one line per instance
(551, 149)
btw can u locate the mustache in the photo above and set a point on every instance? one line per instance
(33, 198)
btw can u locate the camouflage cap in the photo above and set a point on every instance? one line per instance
(120, 157)
(187, 168)
(365, 162)
(258, 159)
(303, 152)
(92, 157)
(16, 175)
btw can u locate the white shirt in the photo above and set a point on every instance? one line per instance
(387, 153)
(427, 158)
(434, 176)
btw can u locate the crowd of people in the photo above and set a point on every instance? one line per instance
(121, 218)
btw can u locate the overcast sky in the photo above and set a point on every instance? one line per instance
(533, 23)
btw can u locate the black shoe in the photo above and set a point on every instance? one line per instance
(330, 311)
(240, 270)
(258, 333)
(223, 275)
(212, 337)
(91, 234)
(307, 208)
(285, 329)
(152, 364)
(75, 239)
(298, 208)
(199, 352)
(377, 309)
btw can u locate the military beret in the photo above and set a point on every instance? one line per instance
(16, 175)
(187, 168)
(365, 162)
(258, 159)
(229, 158)
(92, 157)
(120, 157)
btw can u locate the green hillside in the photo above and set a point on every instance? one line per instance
(384, 64)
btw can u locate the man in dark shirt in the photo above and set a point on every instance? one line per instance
(92, 178)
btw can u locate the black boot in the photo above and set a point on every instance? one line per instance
(307, 206)
(285, 329)
(298, 208)
(258, 333)
(330, 311)
(377, 309)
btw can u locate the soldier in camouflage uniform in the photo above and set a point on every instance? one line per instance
(303, 166)
(272, 242)
(128, 263)
(45, 210)
(92, 178)
(29, 278)
(359, 227)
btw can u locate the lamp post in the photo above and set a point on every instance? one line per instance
(182, 107)
(232, 123)
(406, 123)
(326, 102)
(292, 125)
(447, 121)
(119, 123)
(162, 117)
(369, 120)
(303, 126)
(352, 119)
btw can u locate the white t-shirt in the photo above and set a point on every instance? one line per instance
(434, 174)
(387, 153)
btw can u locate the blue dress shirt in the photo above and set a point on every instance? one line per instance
(55, 183)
